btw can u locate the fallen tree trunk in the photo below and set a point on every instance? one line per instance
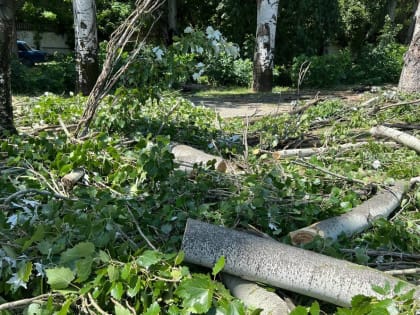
(255, 296)
(356, 220)
(187, 156)
(398, 136)
(259, 259)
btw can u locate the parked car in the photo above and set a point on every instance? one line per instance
(29, 56)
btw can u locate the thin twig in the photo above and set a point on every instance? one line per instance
(34, 191)
(371, 252)
(324, 170)
(119, 304)
(24, 302)
(139, 229)
(95, 305)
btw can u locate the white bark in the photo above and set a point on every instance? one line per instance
(255, 296)
(263, 260)
(398, 136)
(187, 156)
(356, 220)
(305, 152)
(86, 37)
(265, 44)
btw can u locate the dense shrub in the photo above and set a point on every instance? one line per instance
(57, 76)
(225, 70)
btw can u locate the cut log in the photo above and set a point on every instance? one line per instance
(305, 152)
(398, 136)
(356, 220)
(255, 296)
(72, 178)
(187, 156)
(263, 260)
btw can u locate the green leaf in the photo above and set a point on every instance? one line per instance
(197, 294)
(121, 310)
(37, 236)
(299, 310)
(179, 258)
(113, 273)
(59, 278)
(65, 307)
(84, 268)
(314, 309)
(81, 250)
(117, 290)
(386, 289)
(132, 291)
(153, 309)
(149, 258)
(218, 266)
(104, 257)
(25, 271)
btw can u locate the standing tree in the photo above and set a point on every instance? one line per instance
(7, 20)
(410, 74)
(264, 46)
(172, 15)
(85, 31)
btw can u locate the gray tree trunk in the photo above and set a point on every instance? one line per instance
(172, 14)
(7, 21)
(85, 31)
(264, 45)
(264, 260)
(410, 74)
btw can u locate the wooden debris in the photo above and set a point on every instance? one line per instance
(356, 220)
(398, 136)
(69, 180)
(256, 296)
(187, 156)
(263, 260)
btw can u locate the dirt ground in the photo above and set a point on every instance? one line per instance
(258, 104)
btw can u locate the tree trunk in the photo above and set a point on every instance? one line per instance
(264, 45)
(7, 21)
(85, 31)
(398, 136)
(264, 260)
(410, 74)
(356, 220)
(172, 14)
(391, 7)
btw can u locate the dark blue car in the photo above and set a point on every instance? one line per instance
(29, 56)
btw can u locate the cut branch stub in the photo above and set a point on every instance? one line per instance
(263, 260)
(356, 220)
(70, 179)
(187, 156)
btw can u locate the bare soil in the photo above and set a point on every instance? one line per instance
(258, 104)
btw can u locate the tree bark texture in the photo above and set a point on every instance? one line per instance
(86, 37)
(356, 220)
(267, 261)
(398, 136)
(255, 296)
(264, 45)
(7, 18)
(410, 74)
(172, 15)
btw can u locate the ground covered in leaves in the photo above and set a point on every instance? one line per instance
(110, 244)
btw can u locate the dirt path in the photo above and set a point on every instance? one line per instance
(253, 104)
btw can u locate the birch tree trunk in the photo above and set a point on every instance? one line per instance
(410, 74)
(264, 260)
(172, 14)
(7, 20)
(86, 37)
(264, 45)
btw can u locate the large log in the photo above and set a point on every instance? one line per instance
(357, 219)
(255, 296)
(398, 136)
(263, 260)
(187, 156)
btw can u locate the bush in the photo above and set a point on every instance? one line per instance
(324, 70)
(57, 76)
(225, 70)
